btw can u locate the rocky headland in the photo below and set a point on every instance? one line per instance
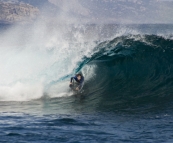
(17, 12)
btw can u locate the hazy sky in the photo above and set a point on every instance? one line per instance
(118, 11)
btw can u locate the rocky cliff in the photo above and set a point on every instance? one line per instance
(17, 12)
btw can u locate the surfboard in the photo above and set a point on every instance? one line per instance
(73, 87)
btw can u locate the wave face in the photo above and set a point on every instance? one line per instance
(133, 71)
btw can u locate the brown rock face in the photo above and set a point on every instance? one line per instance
(14, 12)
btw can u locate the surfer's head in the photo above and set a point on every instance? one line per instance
(79, 76)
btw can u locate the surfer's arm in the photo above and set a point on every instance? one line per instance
(71, 80)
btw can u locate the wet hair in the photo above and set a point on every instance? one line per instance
(78, 75)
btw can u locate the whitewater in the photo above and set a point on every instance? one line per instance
(32, 60)
(128, 83)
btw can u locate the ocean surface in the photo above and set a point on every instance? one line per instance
(128, 90)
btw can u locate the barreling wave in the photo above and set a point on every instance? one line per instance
(132, 67)
(132, 70)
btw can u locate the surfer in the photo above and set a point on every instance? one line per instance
(79, 78)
